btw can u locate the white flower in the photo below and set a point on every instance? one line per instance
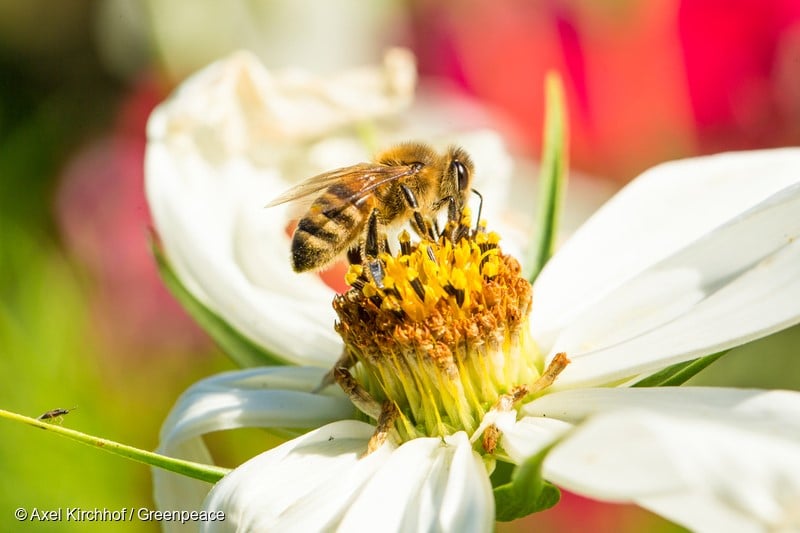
(234, 136)
(692, 258)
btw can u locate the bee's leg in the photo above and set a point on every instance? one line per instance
(453, 214)
(491, 433)
(453, 219)
(480, 208)
(420, 225)
(386, 420)
(357, 394)
(345, 361)
(436, 230)
(354, 256)
(385, 413)
(372, 249)
(456, 229)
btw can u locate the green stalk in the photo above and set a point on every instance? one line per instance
(203, 472)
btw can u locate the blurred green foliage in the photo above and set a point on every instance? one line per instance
(50, 358)
(48, 361)
(51, 355)
(43, 117)
(47, 358)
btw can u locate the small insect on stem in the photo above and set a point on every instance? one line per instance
(55, 415)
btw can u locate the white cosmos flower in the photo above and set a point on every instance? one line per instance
(235, 135)
(692, 258)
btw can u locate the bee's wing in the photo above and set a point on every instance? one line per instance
(316, 184)
(362, 178)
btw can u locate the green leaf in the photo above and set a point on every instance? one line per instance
(203, 472)
(552, 176)
(240, 349)
(526, 492)
(679, 373)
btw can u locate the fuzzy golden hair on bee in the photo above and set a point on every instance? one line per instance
(353, 206)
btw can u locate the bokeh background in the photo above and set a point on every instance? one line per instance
(84, 321)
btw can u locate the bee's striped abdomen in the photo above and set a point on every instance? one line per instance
(327, 230)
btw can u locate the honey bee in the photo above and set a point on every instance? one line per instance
(410, 182)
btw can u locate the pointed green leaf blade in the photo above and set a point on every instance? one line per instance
(552, 176)
(526, 492)
(679, 373)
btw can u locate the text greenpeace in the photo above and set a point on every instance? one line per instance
(148, 515)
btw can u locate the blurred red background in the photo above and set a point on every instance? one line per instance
(645, 81)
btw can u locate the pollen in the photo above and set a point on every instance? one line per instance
(444, 335)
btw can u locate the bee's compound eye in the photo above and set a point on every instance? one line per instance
(461, 175)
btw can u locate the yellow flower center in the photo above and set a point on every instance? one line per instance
(443, 335)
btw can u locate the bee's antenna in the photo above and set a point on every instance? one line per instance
(480, 207)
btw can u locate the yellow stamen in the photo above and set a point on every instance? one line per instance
(446, 335)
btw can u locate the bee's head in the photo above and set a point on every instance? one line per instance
(458, 175)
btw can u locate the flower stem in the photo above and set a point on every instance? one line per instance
(203, 472)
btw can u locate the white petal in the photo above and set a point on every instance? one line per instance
(530, 435)
(308, 484)
(664, 210)
(307, 107)
(232, 254)
(303, 485)
(232, 400)
(736, 284)
(260, 108)
(262, 397)
(215, 157)
(427, 485)
(231, 139)
(574, 406)
(468, 501)
(728, 472)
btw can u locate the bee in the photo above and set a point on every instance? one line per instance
(353, 206)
